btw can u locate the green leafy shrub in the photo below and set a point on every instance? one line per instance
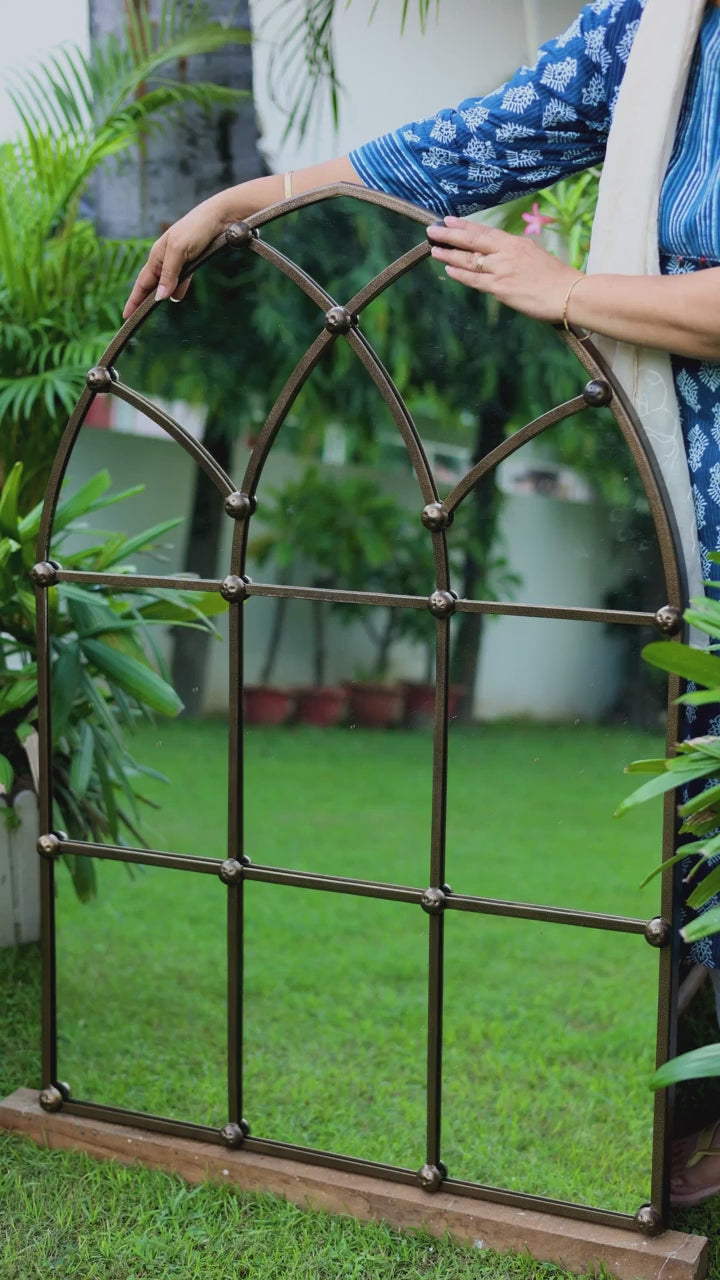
(108, 671)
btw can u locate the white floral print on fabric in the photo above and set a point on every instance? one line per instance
(565, 97)
(697, 443)
(709, 374)
(687, 386)
(557, 75)
(443, 130)
(700, 505)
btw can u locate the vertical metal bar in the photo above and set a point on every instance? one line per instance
(47, 870)
(667, 984)
(437, 879)
(235, 851)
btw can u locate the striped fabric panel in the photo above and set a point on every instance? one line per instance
(690, 199)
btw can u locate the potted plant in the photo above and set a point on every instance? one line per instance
(340, 530)
(107, 673)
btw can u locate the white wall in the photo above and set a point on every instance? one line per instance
(30, 30)
(536, 668)
(389, 78)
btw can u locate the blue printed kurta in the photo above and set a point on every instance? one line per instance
(549, 121)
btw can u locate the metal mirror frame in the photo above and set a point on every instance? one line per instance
(339, 322)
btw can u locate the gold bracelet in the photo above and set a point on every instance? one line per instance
(287, 184)
(588, 332)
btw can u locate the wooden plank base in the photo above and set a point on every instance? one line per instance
(577, 1246)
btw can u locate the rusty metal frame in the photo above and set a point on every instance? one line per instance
(341, 322)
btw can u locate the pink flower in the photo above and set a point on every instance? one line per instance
(535, 221)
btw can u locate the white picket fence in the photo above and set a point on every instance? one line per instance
(20, 873)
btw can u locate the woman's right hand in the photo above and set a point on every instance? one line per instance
(187, 238)
(182, 242)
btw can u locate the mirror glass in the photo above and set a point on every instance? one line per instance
(545, 713)
(141, 977)
(335, 1039)
(549, 1033)
(130, 767)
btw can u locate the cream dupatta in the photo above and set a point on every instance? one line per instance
(625, 233)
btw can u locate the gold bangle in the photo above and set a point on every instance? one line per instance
(287, 184)
(588, 332)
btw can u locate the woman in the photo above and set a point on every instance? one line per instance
(633, 83)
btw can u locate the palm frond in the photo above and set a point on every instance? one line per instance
(302, 72)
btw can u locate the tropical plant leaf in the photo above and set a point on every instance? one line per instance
(9, 502)
(7, 775)
(695, 1065)
(82, 761)
(684, 660)
(705, 925)
(133, 677)
(665, 782)
(706, 890)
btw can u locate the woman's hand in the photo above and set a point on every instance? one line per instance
(514, 269)
(187, 238)
(182, 242)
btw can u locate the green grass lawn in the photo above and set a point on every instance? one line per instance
(548, 1028)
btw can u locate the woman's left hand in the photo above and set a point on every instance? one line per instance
(514, 269)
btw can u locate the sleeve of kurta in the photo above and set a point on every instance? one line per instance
(547, 122)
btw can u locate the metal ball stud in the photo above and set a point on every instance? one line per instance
(597, 393)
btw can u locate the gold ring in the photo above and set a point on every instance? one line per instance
(478, 261)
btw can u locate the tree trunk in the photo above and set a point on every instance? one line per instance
(174, 170)
(319, 610)
(207, 520)
(276, 634)
(190, 158)
(486, 501)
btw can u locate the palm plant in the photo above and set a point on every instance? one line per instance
(62, 285)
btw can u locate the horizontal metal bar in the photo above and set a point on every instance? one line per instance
(332, 884)
(329, 1160)
(143, 1120)
(378, 598)
(625, 616)
(541, 1204)
(359, 888)
(547, 915)
(144, 857)
(133, 581)
(341, 597)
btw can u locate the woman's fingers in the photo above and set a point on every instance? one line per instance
(174, 259)
(463, 259)
(148, 278)
(462, 234)
(160, 273)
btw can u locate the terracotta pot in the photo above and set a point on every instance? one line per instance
(267, 705)
(420, 703)
(319, 706)
(374, 706)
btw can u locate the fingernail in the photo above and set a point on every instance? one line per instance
(161, 292)
(451, 221)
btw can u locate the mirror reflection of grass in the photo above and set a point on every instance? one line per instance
(336, 995)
